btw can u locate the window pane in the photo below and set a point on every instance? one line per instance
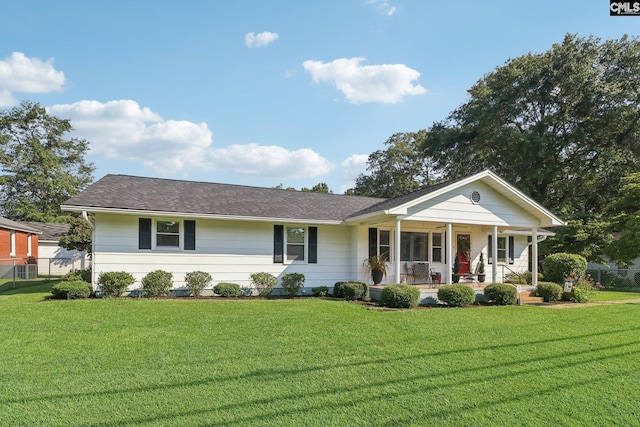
(502, 249)
(436, 250)
(414, 246)
(295, 252)
(386, 252)
(168, 227)
(405, 246)
(384, 237)
(295, 235)
(168, 240)
(420, 247)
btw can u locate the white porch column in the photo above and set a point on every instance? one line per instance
(449, 255)
(534, 256)
(396, 250)
(494, 255)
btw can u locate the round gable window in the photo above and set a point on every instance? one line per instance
(475, 197)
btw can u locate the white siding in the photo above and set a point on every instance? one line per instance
(57, 261)
(456, 207)
(229, 250)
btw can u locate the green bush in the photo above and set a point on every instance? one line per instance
(78, 275)
(71, 290)
(264, 283)
(157, 283)
(114, 283)
(292, 283)
(228, 289)
(320, 291)
(337, 289)
(500, 294)
(550, 291)
(557, 267)
(584, 289)
(400, 296)
(456, 295)
(196, 281)
(354, 290)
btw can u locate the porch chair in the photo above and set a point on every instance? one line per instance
(421, 271)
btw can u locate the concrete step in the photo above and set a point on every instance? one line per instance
(530, 299)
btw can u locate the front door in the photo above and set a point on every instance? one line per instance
(463, 245)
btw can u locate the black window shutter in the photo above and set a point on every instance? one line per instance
(373, 242)
(313, 245)
(278, 244)
(511, 249)
(189, 235)
(489, 251)
(144, 233)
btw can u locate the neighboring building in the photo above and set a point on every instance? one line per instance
(53, 259)
(18, 247)
(231, 231)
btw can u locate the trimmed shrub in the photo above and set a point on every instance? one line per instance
(550, 291)
(320, 291)
(114, 283)
(456, 295)
(500, 294)
(78, 275)
(71, 290)
(400, 296)
(558, 266)
(225, 289)
(196, 281)
(337, 289)
(354, 290)
(264, 283)
(157, 283)
(292, 283)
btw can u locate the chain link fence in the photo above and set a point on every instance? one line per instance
(616, 277)
(32, 268)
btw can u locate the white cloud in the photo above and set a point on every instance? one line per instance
(123, 130)
(382, 7)
(27, 75)
(353, 166)
(387, 83)
(260, 39)
(271, 161)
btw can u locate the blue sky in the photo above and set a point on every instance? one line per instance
(266, 92)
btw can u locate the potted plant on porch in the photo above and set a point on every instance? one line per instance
(377, 264)
(481, 275)
(455, 277)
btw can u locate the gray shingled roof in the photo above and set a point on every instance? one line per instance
(50, 231)
(13, 225)
(167, 195)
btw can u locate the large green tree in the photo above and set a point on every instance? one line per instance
(625, 221)
(562, 125)
(399, 169)
(40, 166)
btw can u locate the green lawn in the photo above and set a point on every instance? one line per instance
(312, 362)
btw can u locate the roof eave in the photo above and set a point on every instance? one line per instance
(137, 212)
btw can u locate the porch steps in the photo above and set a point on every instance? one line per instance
(529, 297)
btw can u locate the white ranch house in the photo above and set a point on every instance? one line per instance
(144, 224)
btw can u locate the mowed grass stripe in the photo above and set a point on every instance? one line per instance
(313, 362)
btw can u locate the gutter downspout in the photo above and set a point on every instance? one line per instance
(85, 216)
